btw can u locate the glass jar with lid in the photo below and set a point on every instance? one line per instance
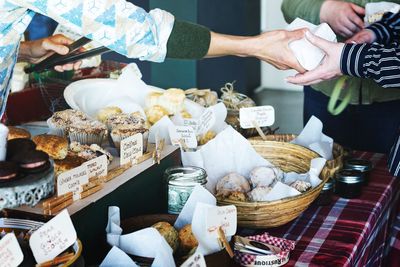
(349, 183)
(180, 182)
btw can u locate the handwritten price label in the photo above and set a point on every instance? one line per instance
(97, 167)
(263, 116)
(10, 252)
(225, 217)
(196, 260)
(72, 181)
(53, 238)
(184, 133)
(131, 148)
(206, 121)
(191, 123)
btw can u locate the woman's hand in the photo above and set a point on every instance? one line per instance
(364, 36)
(329, 69)
(343, 17)
(36, 51)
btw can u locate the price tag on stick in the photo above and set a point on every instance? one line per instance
(183, 133)
(131, 148)
(263, 116)
(72, 181)
(97, 167)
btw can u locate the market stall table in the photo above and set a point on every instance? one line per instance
(349, 232)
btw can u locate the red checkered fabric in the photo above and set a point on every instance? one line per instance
(349, 232)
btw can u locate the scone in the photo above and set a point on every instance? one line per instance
(55, 146)
(187, 241)
(69, 163)
(15, 132)
(155, 113)
(172, 100)
(104, 113)
(169, 233)
(153, 99)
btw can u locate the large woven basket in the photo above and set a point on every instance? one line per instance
(288, 157)
(332, 165)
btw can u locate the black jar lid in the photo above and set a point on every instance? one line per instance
(350, 176)
(363, 165)
(328, 185)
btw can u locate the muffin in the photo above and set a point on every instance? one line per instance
(155, 113)
(61, 120)
(124, 131)
(87, 132)
(125, 119)
(106, 112)
(187, 241)
(169, 233)
(15, 132)
(55, 146)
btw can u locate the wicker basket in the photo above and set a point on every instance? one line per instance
(332, 165)
(288, 157)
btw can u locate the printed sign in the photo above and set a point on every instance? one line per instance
(206, 121)
(131, 149)
(225, 217)
(183, 133)
(196, 260)
(10, 252)
(97, 167)
(53, 237)
(263, 116)
(191, 123)
(72, 181)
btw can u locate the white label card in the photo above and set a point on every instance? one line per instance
(263, 116)
(185, 133)
(97, 167)
(72, 181)
(225, 217)
(53, 237)
(10, 252)
(131, 148)
(206, 121)
(196, 260)
(190, 122)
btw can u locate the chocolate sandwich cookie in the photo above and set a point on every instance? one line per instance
(32, 161)
(8, 171)
(19, 145)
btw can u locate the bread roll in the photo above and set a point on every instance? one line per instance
(169, 233)
(187, 241)
(55, 146)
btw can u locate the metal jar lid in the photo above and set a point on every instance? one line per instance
(186, 176)
(328, 185)
(363, 165)
(350, 176)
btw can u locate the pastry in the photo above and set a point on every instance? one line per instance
(124, 131)
(169, 233)
(89, 152)
(187, 241)
(87, 132)
(259, 193)
(32, 161)
(15, 132)
(8, 171)
(155, 113)
(153, 99)
(70, 162)
(265, 176)
(205, 138)
(104, 113)
(233, 182)
(55, 146)
(172, 100)
(19, 145)
(61, 120)
(301, 186)
(125, 119)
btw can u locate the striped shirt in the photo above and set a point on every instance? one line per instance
(116, 24)
(381, 62)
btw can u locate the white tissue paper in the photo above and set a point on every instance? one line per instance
(313, 138)
(3, 141)
(145, 243)
(117, 258)
(228, 152)
(375, 11)
(308, 55)
(312, 176)
(281, 190)
(160, 128)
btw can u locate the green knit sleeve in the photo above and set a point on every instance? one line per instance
(188, 41)
(305, 9)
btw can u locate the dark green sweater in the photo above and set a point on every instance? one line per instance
(188, 41)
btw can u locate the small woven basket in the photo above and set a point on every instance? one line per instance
(332, 165)
(288, 157)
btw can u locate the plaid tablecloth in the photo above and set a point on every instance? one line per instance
(349, 232)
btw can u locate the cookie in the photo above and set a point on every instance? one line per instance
(32, 161)
(19, 145)
(8, 171)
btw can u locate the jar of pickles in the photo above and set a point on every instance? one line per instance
(180, 182)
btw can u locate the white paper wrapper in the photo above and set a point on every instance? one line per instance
(312, 176)
(228, 152)
(145, 243)
(313, 138)
(374, 11)
(3, 141)
(160, 128)
(117, 258)
(308, 55)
